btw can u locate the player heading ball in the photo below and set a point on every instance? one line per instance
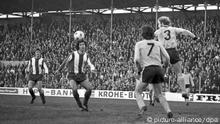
(75, 64)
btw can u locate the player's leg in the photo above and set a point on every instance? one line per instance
(158, 79)
(41, 92)
(187, 95)
(162, 99)
(178, 70)
(30, 88)
(138, 92)
(88, 92)
(151, 94)
(139, 98)
(73, 85)
(176, 62)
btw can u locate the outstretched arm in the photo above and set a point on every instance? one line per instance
(186, 33)
(64, 63)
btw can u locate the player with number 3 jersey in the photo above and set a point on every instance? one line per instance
(167, 35)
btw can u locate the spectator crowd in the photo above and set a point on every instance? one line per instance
(112, 59)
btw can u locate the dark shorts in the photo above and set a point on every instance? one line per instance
(35, 77)
(80, 77)
(187, 86)
(153, 74)
(174, 55)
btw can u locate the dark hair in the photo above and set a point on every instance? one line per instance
(147, 32)
(78, 42)
(37, 49)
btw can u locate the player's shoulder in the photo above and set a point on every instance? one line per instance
(137, 43)
(159, 30)
(144, 42)
(141, 43)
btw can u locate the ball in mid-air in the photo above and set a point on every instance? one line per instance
(79, 35)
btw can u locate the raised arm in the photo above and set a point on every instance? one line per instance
(92, 67)
(45, 67)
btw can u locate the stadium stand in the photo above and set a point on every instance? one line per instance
(114, 63)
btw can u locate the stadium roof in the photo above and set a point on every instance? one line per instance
(10, 6)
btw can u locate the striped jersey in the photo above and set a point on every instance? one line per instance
(167, 36)
(149, 52)
(76, 62)
(36, 66)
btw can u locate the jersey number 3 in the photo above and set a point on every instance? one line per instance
(152, 45)
(167, 37)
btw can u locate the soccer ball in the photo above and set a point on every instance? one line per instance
(79, 35)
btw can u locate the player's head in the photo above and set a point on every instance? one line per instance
(147, 32)
(81, 45)
(185, 70)
(164, 21)
(38, 53)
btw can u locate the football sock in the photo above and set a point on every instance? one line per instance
(76, 96)
(87, 96)
(31, 92)
(42, 98)
(164, 103)
(140, 100)
(151, 96)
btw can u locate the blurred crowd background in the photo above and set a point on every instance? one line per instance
(112, 59)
